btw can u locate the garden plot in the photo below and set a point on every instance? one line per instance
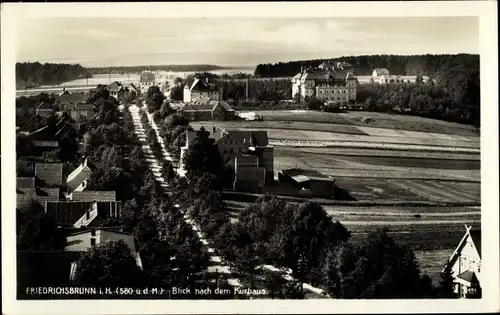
(439, 191)
(385, 132)
(410, 123)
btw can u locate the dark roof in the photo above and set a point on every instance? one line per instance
(44, 268)
(258, 137)
(327, 75)
(29, 126)
(72, 106)
(24, 196)
(78, 176)
(93, 195)
(72, 98)
(50, 173)
(114, 87)
(112, 230)
(382, 71)
(203, 85)
(476, 238)
(25, 182)
(305, 175)
(469, 276)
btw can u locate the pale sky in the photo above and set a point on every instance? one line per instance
(237, 42)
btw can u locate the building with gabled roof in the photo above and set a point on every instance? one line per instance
(146, 80)
(465, 264)
(380, 71)
(93, 195)
(333, 86)
(80, 214)
(203, 88)
(314, 182)
(25, 182)
(210, 110)
(247, 153)
(41, 195)
(78, 179)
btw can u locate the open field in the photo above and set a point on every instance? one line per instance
(371, 153)
(380, 120)
(285, 125)
(377, 167)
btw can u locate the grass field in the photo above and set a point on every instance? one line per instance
(285, 125)
(380, 120)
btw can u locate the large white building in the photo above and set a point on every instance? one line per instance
(330, 85)
(146, 80)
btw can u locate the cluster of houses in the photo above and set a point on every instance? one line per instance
(250, 158)
(87, 217)
(203, 100)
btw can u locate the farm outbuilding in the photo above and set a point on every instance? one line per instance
(310, 180)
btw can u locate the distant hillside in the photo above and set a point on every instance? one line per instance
(397, 64)
(33, 74)
(136, 69)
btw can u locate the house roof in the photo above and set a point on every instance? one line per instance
(302, 175)
(24, 196)
(203, 85)
(73, 106)
(147, 76)
(69, 213)
(29, 126)
(72, 98)
(78, 176)
(44, 105)
(50, 173)
(207, 106)
(25, 182)
(476, 238)
(475, 235)
(381, 71)
(93, 195)
(114, 87)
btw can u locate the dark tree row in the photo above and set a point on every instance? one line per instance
(396, 64)
(32, 74)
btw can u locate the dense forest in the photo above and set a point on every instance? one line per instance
(427, 65)
(136, 69)
(33, 74)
